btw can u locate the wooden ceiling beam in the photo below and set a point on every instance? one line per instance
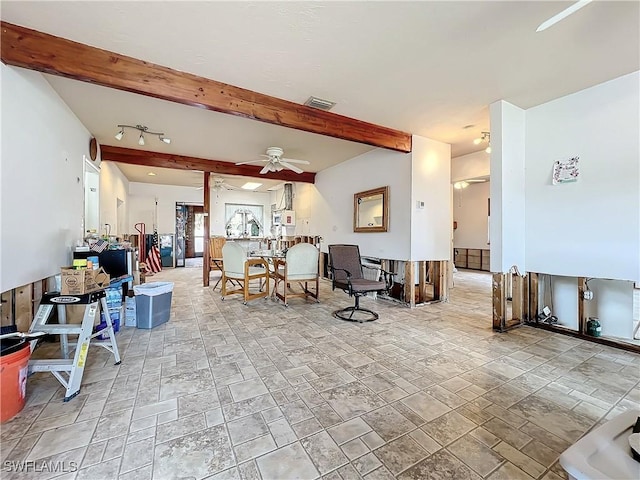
(27, 48)
(181, 162)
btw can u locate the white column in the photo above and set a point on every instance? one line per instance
(507, 219)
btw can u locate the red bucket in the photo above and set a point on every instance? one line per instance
(14, 364)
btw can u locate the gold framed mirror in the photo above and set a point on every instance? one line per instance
(371, 210)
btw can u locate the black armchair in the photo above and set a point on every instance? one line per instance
(346, 273)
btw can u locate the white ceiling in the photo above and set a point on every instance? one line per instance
(427, 68)
(191, 178)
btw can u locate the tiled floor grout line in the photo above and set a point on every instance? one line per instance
(410, 340)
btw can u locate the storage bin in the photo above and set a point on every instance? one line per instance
(153, 303)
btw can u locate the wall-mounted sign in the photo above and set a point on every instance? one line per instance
(566, 171)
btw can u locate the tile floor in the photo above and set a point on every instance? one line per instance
(227, 391)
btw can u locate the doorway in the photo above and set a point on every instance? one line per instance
(189, 233)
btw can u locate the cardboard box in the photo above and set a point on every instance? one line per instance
(79, 282)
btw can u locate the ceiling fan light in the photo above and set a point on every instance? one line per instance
(477, 141)
(120, 134)
(141, 140)
(165, 140)
(488, 149)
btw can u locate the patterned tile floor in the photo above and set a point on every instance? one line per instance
(227, 391)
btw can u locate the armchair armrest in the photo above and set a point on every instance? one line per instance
(388, 276)
(333, 280)
(254, 262)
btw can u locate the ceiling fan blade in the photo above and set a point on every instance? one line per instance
(265, 169)
(293, 160)
(563, 14)
(290, 167)
(251, 161)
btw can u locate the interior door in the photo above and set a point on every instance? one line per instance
(182, 213)
(198, 234)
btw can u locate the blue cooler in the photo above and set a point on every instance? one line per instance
(153, 303)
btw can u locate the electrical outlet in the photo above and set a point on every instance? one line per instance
(587, 295)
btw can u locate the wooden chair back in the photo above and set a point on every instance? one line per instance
(215, 251)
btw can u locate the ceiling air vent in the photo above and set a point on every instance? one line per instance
(319, 103)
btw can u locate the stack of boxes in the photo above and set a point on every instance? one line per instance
(114, 305)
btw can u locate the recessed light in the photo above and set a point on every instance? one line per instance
(251, 185)
(151, 174)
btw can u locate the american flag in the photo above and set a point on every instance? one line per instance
(154, 264)
(100, 245)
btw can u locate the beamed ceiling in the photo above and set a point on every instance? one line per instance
(226, 80)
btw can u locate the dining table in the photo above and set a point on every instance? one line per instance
(268, 256)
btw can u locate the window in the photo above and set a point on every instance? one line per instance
(244, 220)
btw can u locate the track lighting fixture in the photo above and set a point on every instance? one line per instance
(143, 130)
(484, 137)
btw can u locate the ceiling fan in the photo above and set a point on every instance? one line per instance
(275, 162)
(219, 184)
(563, 14)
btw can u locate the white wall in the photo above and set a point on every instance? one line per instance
(91, 198)
(473, 165)
(431, 226)
(41, 189)
(565, 301)
(329, 203)
(142, 209)
(114, 187)
(507, 187)
(470, 212)
(612, 304)
(326, 208)
(590, 228)
(218, 220)
(304, 196)
(142, 198)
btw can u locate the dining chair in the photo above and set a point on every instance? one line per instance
(346, 274)
(238, 268)
(299, 265)
(215, 256)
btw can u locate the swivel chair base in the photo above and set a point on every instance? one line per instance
(344, 314)
(349, 313)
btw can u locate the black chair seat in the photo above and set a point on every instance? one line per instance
(363, 285)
